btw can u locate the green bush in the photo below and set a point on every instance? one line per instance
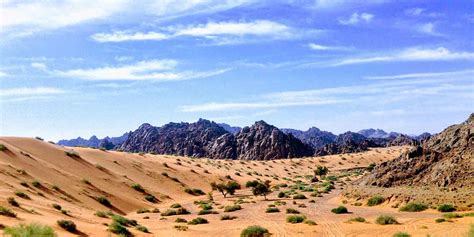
(452, 215)
(340, 210)
(30, 230)
(57, 206)
(175, 205)
(198, 221)
(446, 208)
(272, 210)
(142, 229)
(386, 220)
(3, 147)
(67, 225)
(206, 212)
(22, 195)
(310, 222)
(254, 231)
(142, 210)
(375, 200)
(194, 191)
(206, 206)
(169, 212)
(72, 154)
(357, 219)
(119, 229)
(104, 201)
(13, 202)
(7, 212)
(401, 234)
(292, 211)
(227, 217)
(414, 207)
(181, 220)
(299, 196)
(102, 214)
(181, 227)
(295, 219)
(232, 208)
(138, 188)
(36, 184)
(151, 198)
(439, 220)
(281, 195)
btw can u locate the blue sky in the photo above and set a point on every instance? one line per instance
(78, 68)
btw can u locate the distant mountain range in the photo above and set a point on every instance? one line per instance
(260, 141)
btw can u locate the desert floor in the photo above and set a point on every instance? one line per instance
(75, 182)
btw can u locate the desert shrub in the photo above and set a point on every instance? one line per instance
(182, 211)
(321, 171)
(272, 210)
(3, 147)
(72, 154)
(102, 214)
(446, 208)
(124, 221)
(452, 215)
(181, 227)
(375, 200)
(57, 206)
(206, 212)
(142, 210)
(401, 234)
(439, 220)
(22, 195)
(104, 201)
(226, 188)
(13, 202)
(32, 230)
(119, 229)
(357, 219)
(292, 211)
(7, 212)
(138, 188)
(194, 191)
(232, 208)
(175, 205)
(227, 217)
(299, 196)
(206, 206)
(36, 184)
(169, 212)
(181, 220)
(251, 184)
(67, 225)
(151, 198)
(414, 207)
(371, 167)
(386, 220)
(340, 210)
(310, 222)
(295, 219)
(142, 229)
(281, 195)
(254, 231)
(198, 221)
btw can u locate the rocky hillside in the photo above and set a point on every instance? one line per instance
(348, 142)
(93, 141)
(313, 136)
(446, 159)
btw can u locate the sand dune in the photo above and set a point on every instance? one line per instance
(75, 182)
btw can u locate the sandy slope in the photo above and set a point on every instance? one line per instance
(111, 174)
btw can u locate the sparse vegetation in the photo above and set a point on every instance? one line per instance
(321, 171)
(56, 206)
(30, 230)
(292, 211)
(175, 205)
(13, 202)
(254, 231)
(299, 196)
(7, 212)
(272, 210)
(181, 227)
(226, 188)
(151, 198)
(401, 234)
(414, 207)
(194, 191)
(22, 195)
(232, 208)
(104, 201)
(198, 221)
(119, 229)
(452, 215)
(386, 220)
(142, 229)
(375, 200)
(446, 208)
(69, 226)
(357, 219)
(138, 188)
(310, 222)
(72, 154)
(261, 189)
(227, 217)
(102, 214)
(181, 220)
(3, 148)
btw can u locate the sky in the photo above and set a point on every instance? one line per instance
(90, 67)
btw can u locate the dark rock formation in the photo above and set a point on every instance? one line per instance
(348, 142)
(445, 159)
(313, 136)
(262, 141)
(373, 133)
(402, 140)
(228, 128)
(93, 141)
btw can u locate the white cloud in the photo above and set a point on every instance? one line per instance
(425, 75)
(30, 91)
(428, 28)
(326, 48)
(417, 12)
(39, 66)
(27, 17)
(411, 54)
(357, 18)
(219, 32)
(3, 74)
(156, 70)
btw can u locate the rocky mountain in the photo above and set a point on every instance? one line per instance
(348, 142)
(373, 133)
(93, 141)
(401, 140)
(313, 136)
(228, 128)
(445, 159)
(262, 141)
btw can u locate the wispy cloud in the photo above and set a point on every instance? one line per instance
(3, 74)
(30, 91)
(417, 12)
(428, 28)
(155, 70)
(218, 32)
(424, 75)
(319, 47)
(357, 18)
(411, 54)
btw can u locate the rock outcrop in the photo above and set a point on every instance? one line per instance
(313, 136)
(446, 159)
(348, 142)
(93, 141)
